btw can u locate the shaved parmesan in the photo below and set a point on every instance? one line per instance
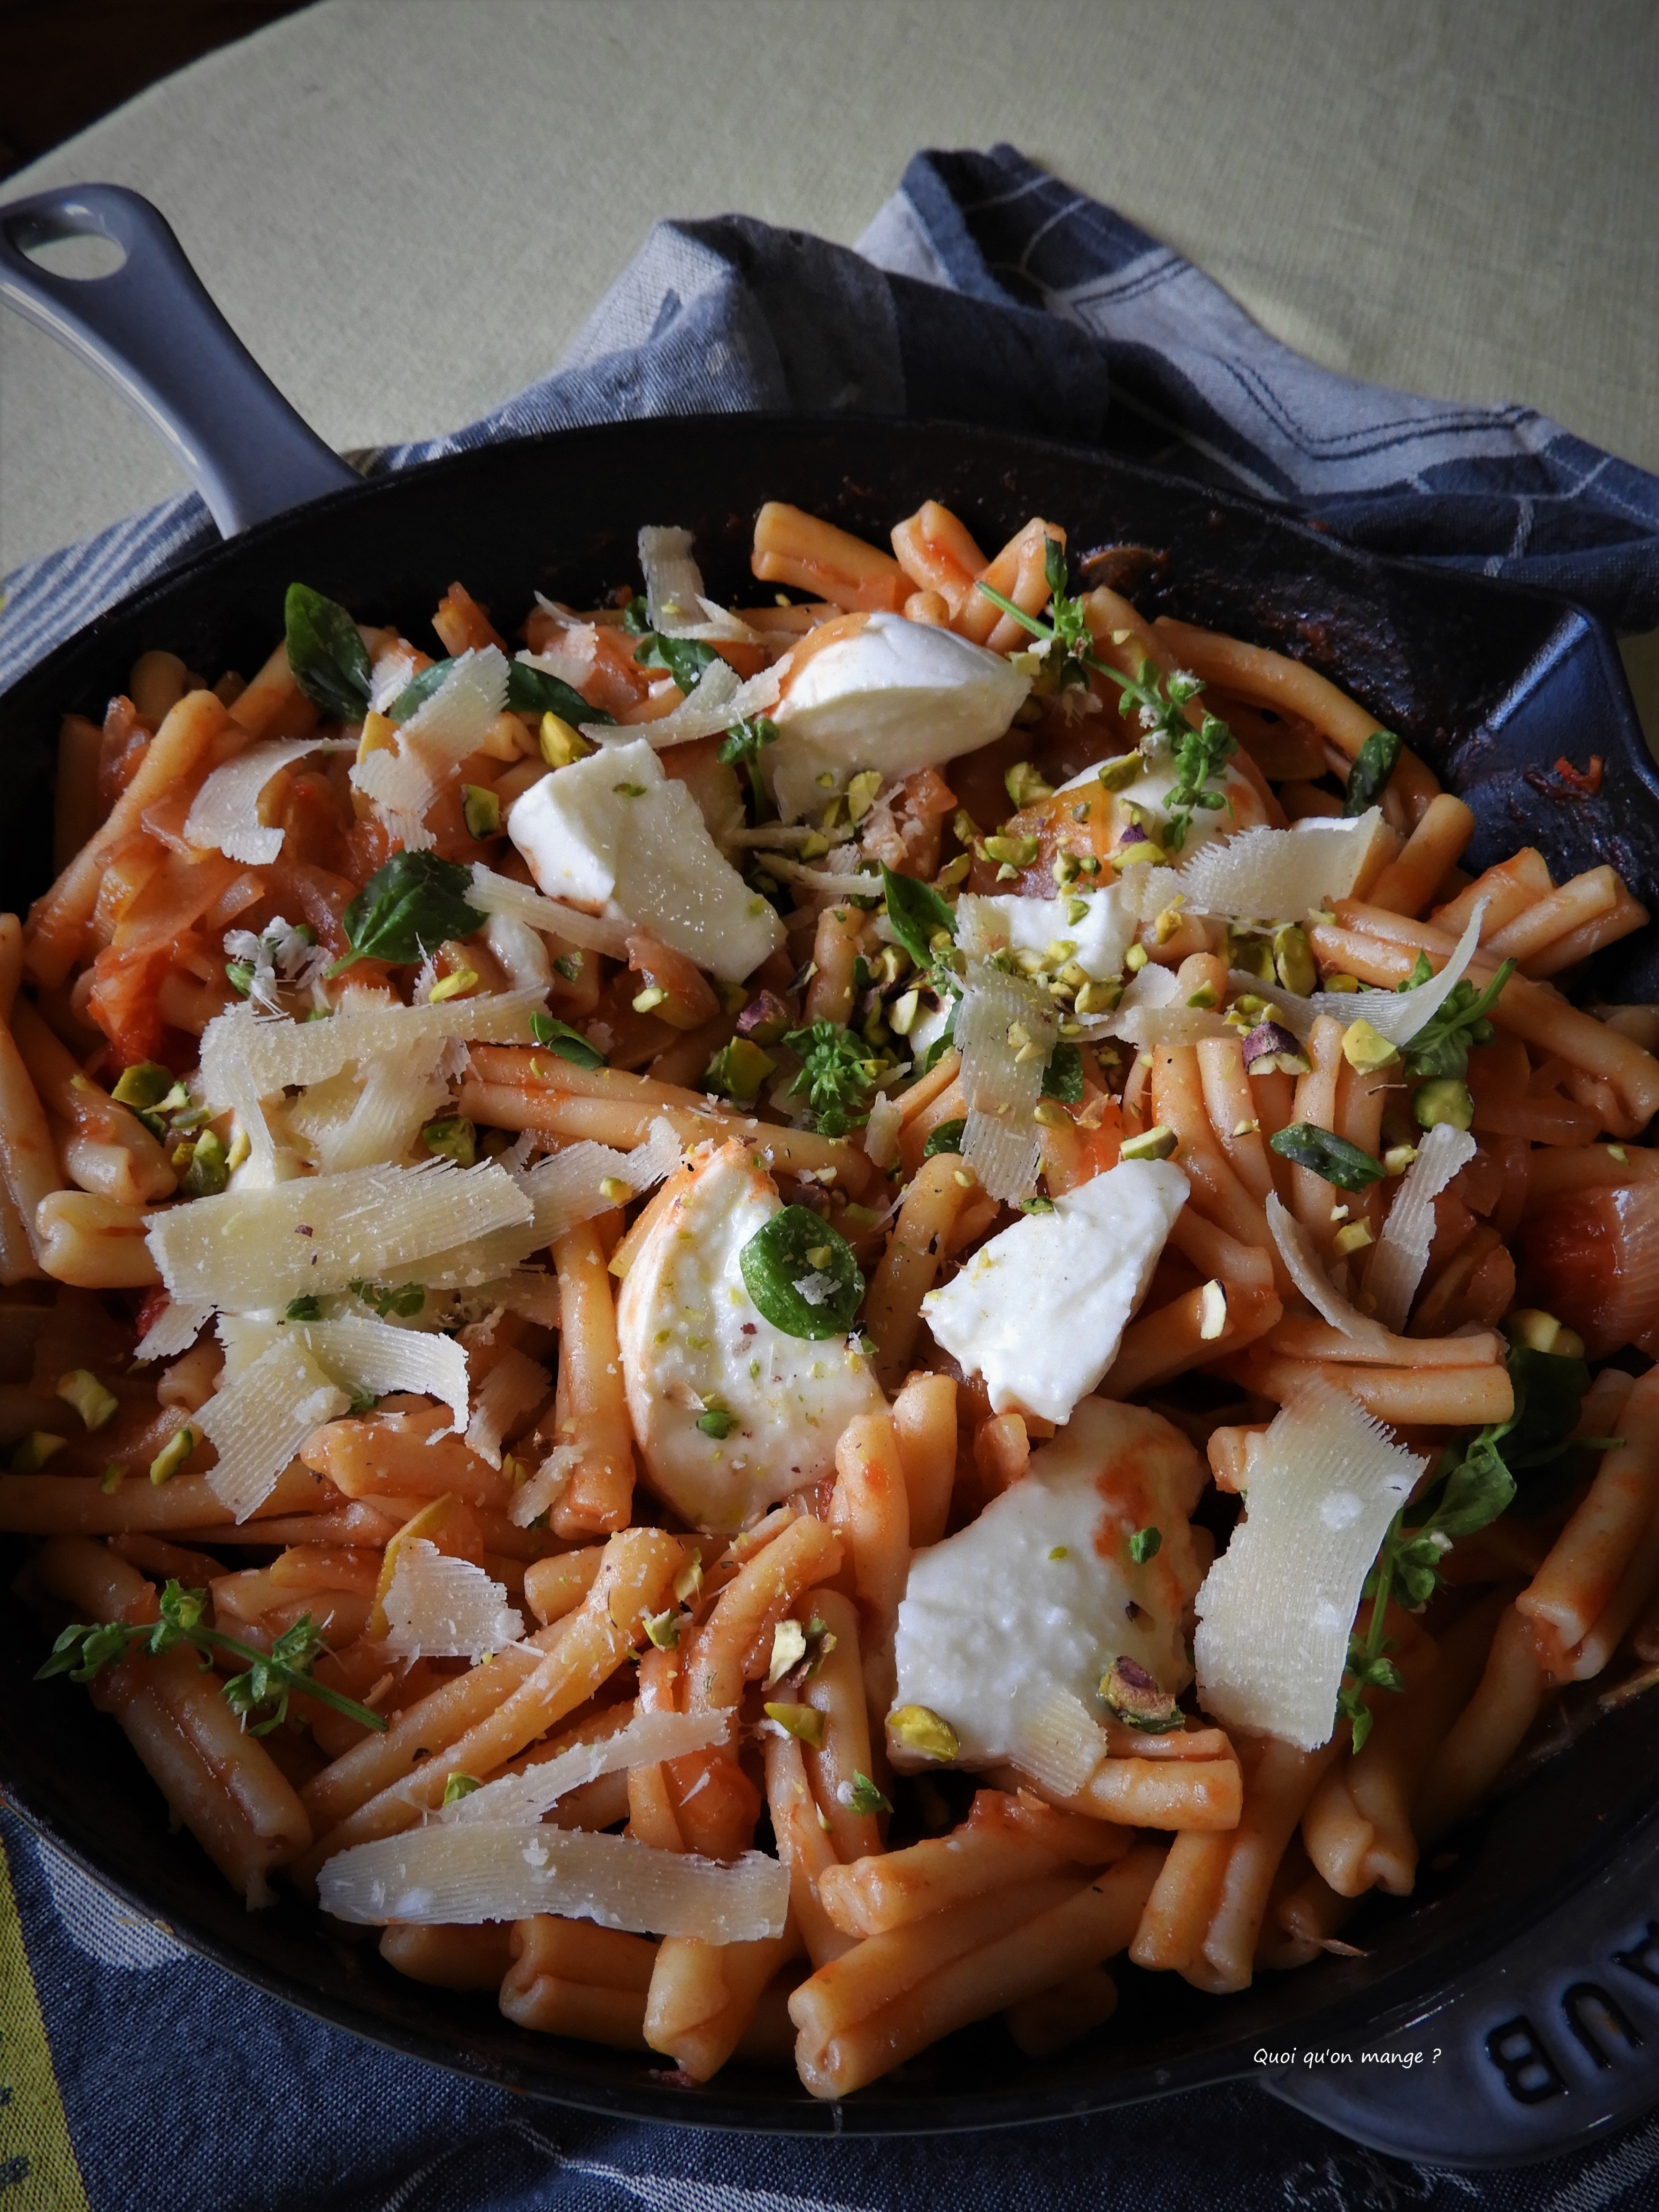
(401, 1090)
(499, 894)
(716, 700)
(530, 1291)
(881, 1130)
(561, 1191)
(225, 812)
(359, 1353)
(1004, 1142)
(465, 1873)
(515, 1386)
(259, 1422)
(1152, 1011)
(441, 1608)
(269, 1056)
(1296, 1250)
(1402, 1250)
(1276, 1609)
(532, 1498)
(570, 666)
(1396, 1015)
(1057, 1741)
(516, 1800)
(402, 786)
(250, 1248)
(673, 582)
(454, 722)
(523, 956)
(174, 1329)
(1270, 874)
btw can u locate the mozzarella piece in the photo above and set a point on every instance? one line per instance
(1098, 940)
(1149, 795)
(1032, 1602)
(887, 694)
(692, 1339)
(1276, 1608)
(1039, 1310)
(615, 834)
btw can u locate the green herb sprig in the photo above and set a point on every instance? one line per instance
(836, 1075)
(84, 1649)
(1442, 1045)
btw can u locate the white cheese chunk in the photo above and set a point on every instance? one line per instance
(1097, 940)
(886, 694)
(1276, 1608)
(1039, 1310)
(441, 1608)
(693, 1340)
(1030, 1603)
(615, 834)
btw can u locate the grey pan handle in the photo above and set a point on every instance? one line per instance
(150, 330)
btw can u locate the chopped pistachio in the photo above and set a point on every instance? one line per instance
(454, 1138)
(559, 744)
(111, 1479)
(1142, 853)
(1016, 853)
(96, 1406)
(1137, 959)
(30, 1454)
(1618, 1152)
(615, 1191)
(902, 1013)
(143, 1086)
(738, 1070)
(1146, 1544)
(717, 1422)
(688, 1582)
(789, 1647)
(209, 1171)
(645, 1001)
(1136, 1698)
(1445, 1099)
(240, 1149)
(861, 793)
(1023, 785)
(1050, 1114)
(1203, 997)
(1537, 1331)
(1340, 983)
(1154, 1144)
(459, 1785)
(172, 1456)
(814, 846)
(1247, 1128)
(480, 810)
(861, 1795)
(1118, 774)
(918, 1728)
(1398, 1158)
(1364, 1050)
(1353, 1237)
(954, 873)
(453, 987)
(662, 1629)
(1292, 957)
(805, 1722)
(1060, 1552)
(1099, 998)
(1077, 910)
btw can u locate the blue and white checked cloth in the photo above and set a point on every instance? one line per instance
(985, 291)
(988, 291)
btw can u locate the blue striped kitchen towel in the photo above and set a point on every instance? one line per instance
(988, 291)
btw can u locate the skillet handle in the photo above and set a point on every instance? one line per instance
(150, 329)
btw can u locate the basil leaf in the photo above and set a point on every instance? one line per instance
(1062, 1078)
(1373, 765)
(569, 1045)
(946, 1138)
(330, 661)
(636, 617)
(408, 909)
(685, 658)
(918, 915)
(799, 1247)
(533, 691)
(1307, 1145)
(419, 688)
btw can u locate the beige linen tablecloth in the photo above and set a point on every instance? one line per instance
(407, 207)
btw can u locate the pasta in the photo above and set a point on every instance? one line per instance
(665, 1433)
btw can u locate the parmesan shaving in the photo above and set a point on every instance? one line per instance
(454, 722)
(532, 1498)
(572, 668)
(1276, 1608)
(1296, 1250)
(464, 1874)
(225, 813)
(1152, 1011)
(1269, 874)
(441, 1608)
(1397, 1016)
(1059, 1741)
(515, 1386)
(1402, 1250)
(174, 1329)
(530, 1291)
(1004, 1142)
(359, 1353)
(516, 1800)
(562, 1190)
(673, 582)
(401, 784)
(248, 1249)
(401, 1090)
(268, 1056)
(881, 1130)
(716, 700)
(492, 894)
(259, 1422)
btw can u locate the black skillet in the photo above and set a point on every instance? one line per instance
(1492, 684)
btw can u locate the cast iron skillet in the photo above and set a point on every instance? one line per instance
(1491, 684)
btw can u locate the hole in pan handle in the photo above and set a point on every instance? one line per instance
(149, 328)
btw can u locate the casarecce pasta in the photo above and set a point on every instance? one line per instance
(821, 1312)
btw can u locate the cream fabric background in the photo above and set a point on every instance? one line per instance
(407, 207)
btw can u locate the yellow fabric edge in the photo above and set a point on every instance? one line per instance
(32, 2127)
